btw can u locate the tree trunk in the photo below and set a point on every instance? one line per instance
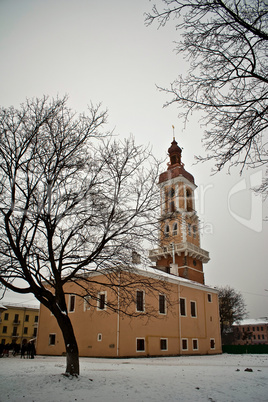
(72, 355)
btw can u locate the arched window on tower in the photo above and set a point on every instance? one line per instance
(189, 200)
(175, 229)
(167, 231)
(171, 202)
(194, 231)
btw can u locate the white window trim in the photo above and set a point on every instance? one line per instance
(195, 339)
(69, 304)
(212, 339)
(165, 313)
(174, 231)
(51, 344)
(143, 302)
(184, 339)
(193, 301)
(86, 304)
(185, 307)
(105, 300)
(140, 351)
(99, 337)
(164, 339)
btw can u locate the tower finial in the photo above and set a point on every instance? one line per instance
(173, 132)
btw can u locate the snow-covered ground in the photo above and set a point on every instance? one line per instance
(190, 378)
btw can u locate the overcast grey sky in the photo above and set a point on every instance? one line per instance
(101, 51)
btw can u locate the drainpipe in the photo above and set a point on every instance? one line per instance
(118, 318)
(179, 293)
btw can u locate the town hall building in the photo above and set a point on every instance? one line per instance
(185, 318)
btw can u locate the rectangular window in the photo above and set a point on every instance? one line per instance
(140, 300)
(6, 317)
(25, 330)
(14, 333)
(16, 319)
(258, 328)
(140, 345)
(189, 229)
(262, 336)
(102, 301)
(195, 344)
(184, 344)
(36, 318)
(27, 318)
(99, 337)
(34, 332)
(163, 344)
(182, 307)
(4, 331)
(209, 297)
(52, 339)
(193, 309)
(261, 328)
(162, 304)
(87, 303)
(212, 343)
(71, 303)
(253, 328)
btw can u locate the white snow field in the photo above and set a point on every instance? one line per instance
(220, 378)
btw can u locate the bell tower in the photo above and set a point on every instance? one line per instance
(179, 251)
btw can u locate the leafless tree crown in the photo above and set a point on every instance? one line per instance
(225, 43)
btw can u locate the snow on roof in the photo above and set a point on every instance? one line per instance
(161, 275)
(252, 321)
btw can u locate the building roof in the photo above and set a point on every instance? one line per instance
(21, 306)
(252, 321)
(161, 275)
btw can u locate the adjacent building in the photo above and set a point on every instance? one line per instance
(186, 311)
(18, 324)
(251, 332)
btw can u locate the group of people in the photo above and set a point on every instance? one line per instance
(26, 350)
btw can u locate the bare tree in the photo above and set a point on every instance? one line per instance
(225, 42)
(73, 201)
(232, 309)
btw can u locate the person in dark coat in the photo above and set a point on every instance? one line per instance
(23, 349)
(31, 350)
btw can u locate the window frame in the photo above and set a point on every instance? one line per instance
(210, 342)
(185, 309)
(140, 350)
(86, 304)
(143, 301)
(167, 230)
(166, 341)
(182, 341)
(195, 340)
(99, 301)
(50, 338)
(209, 296)
(71, 303)
(99, 337)
(193, 303)
(164, 312)
(175, 231)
